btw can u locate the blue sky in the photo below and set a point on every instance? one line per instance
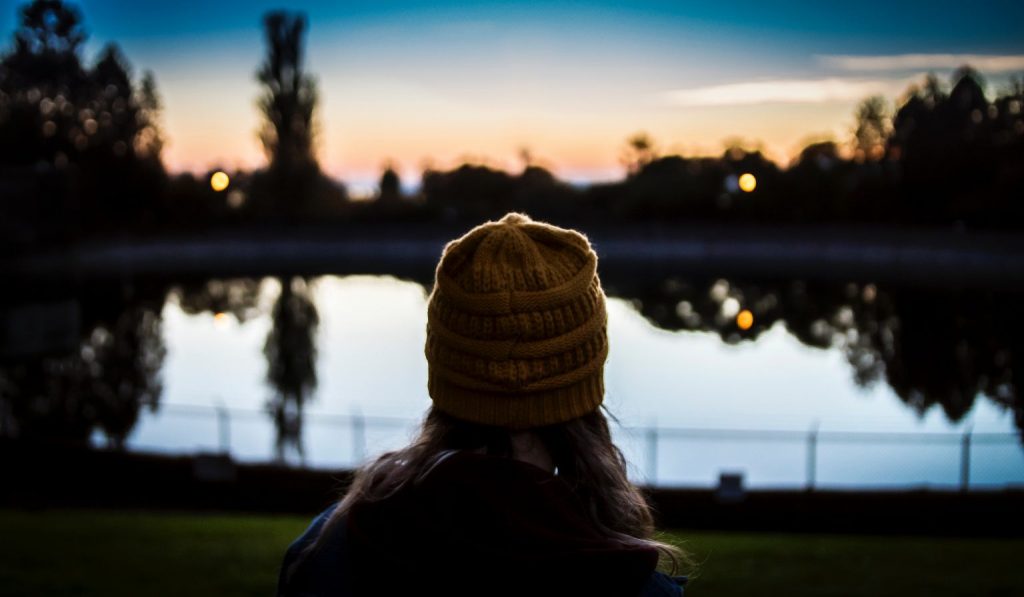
(439, 82)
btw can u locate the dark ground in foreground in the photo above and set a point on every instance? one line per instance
(95, 552)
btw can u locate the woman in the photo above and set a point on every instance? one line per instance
(513, 485)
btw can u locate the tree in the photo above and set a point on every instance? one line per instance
(874, 125)
(113, 111)
(74, 132)
(292, 186)
(933, 93)
(150, 140)
(47, 46)
(289, 98)
(390, 190)
(291, 352)
(638, 153)
(41, 81)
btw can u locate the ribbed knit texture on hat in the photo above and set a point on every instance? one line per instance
(516, 326)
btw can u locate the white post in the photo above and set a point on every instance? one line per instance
(224, 427)
(652, 455)
(358, 437)
(812, 457)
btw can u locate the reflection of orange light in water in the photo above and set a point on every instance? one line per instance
(219, 181)
(744, 319)
(747, 182)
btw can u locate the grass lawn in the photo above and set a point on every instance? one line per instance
(145, 553)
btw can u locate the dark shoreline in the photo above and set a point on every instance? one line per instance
(920, 257)
(43, 476)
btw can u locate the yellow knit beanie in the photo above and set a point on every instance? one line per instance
(516, 326)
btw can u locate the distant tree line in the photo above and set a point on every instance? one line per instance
(81, 142)
(945, 158)
(80, 156)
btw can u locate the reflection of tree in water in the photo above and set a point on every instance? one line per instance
(290, 348)
(946, 348)
(238, 296)
(931, 346)
(291, 353)
(102, 386)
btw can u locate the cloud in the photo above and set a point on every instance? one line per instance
(904, 62)
(781, 91)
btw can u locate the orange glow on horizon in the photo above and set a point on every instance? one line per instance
(366, 119)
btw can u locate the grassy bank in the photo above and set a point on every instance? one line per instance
(131, 553)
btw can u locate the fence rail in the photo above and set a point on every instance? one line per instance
(651, 439)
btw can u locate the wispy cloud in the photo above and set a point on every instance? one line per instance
(781, 91)
(904, 62)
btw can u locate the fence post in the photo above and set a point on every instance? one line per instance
(652, 455)
(965, 461)
(224, 427)
(358, 437)
(812, 457)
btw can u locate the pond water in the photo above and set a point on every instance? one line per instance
(693, 398)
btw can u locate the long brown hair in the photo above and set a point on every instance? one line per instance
(583, 453)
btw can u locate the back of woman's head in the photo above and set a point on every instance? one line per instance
(517, 340)
(516, 326)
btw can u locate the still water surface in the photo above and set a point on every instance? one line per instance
(370, 363)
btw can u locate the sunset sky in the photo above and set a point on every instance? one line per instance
(438, 83)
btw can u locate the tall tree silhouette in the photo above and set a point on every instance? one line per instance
(288, 103)
(290, 95)
(291, 352)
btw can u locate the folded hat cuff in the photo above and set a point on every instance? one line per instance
(519, 411)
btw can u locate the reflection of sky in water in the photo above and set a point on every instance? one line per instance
(371, 362)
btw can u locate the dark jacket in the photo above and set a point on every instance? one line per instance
(475, 525)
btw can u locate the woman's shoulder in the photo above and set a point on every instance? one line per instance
(307, 570)
(660, 584)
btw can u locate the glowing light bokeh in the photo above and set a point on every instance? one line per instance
(745, 319)
(747, 182)
(219, 181)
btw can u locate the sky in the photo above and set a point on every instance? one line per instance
(419, 84)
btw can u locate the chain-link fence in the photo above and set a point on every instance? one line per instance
(660, 456)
